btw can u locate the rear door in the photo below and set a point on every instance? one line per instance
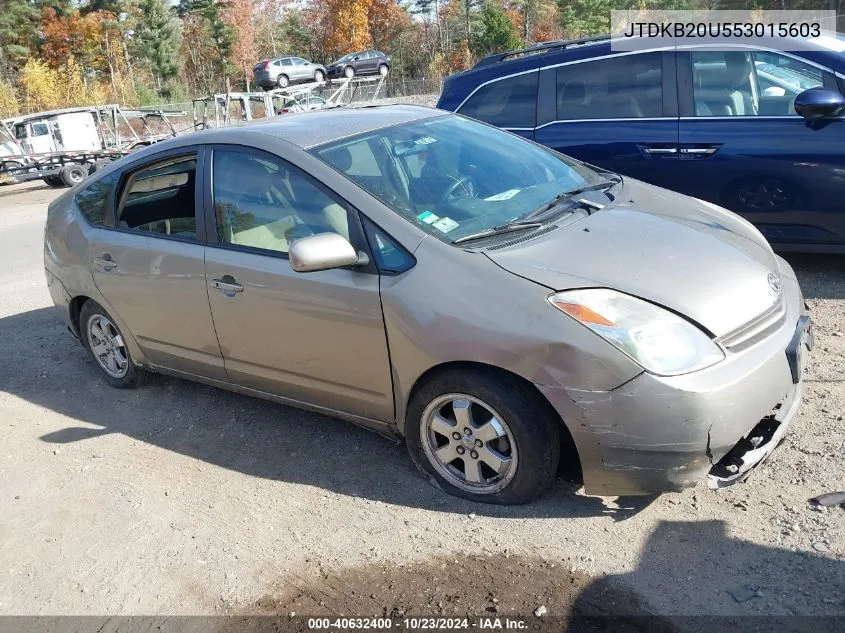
(742, 145)
(618, 112)
(509, 103)
(149, 264)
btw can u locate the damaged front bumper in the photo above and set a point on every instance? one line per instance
(657, 434)
(751, 450)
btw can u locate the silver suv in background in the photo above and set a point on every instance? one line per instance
(282, 72)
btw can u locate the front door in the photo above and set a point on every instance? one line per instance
(743, 146)
(314, 337)
(619, 113)
(150, 265)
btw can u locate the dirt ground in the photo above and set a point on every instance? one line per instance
(182, 499)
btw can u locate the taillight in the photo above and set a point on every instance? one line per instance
(285, 110)
(267, 65)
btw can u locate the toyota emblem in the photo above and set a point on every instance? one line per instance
(774, 282)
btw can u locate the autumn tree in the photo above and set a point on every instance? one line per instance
(238, 14)
(348, 26)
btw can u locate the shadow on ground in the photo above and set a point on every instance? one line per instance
(820, 276)
(45, 366)
(691, 576)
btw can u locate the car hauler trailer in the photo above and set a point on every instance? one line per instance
(63, 146)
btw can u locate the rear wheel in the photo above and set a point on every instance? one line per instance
(72, 174)
(283, 81)
(319, 75)
(99, 164)
(54, 181)
(349, 72)
(9, 166)
(104, 341)
(483, 436)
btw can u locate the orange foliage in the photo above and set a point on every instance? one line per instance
(238, 13)
(76, 35)
(347, 25)
(386, 21)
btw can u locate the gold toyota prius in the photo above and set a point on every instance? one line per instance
(503, 308)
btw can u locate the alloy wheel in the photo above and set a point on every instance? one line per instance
(469, 444)
(107, 345)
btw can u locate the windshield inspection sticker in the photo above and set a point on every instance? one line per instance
(428, 217)
(445, 225)
(505, 195)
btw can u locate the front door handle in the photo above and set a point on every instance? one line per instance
(227, 285)
(699, 151)
(105, 262)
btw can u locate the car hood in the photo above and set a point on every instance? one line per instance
(687, 255)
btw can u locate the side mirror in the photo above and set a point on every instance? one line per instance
(819, 103)
(321, 252)
(356, 58)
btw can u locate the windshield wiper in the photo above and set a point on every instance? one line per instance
(566, 195)
(510, 227)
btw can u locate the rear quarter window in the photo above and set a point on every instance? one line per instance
(93, 200)
(508, 103)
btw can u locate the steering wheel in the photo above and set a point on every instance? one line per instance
(464, 183)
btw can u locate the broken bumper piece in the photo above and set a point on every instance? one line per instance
(754, 448)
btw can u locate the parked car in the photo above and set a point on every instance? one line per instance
(497, 304)
(284, 71)
(360, 63)
(757, 130)
(302, 104)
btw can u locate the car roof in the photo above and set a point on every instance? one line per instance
(557, 52)
(307, 129)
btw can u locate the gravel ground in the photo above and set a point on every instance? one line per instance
(182, 499)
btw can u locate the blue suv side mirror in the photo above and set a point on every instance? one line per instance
(819, 103)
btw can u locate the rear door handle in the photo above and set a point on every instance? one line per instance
(105, 262)
(658, 151)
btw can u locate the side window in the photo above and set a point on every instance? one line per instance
(508, 103)
(40, 129)
(762, 83)
(780, 79)
(287, 62)
(92, 200)
(624, 87)
(263, 202)
(160, 199)
(391, 258)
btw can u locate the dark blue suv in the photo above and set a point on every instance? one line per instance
(717, 125)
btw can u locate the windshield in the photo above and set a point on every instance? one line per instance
(454, 177)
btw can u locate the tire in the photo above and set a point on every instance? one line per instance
(99, 164)
(524, 444)
(9, 165)
(349, 72)
(283, 81)
(383, 70)
(99, 332)
(54, 181)
(319, 75)
(72, 174)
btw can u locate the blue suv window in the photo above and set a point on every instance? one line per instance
(624, 87)
(509, 103)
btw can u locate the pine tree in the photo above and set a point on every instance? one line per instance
(159, 34)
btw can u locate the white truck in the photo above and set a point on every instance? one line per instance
(62, 147)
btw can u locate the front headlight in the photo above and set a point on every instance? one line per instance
(662, 342)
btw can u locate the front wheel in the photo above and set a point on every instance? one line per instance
(106, 344)
(382, 70)
(483, 436)
(283, 81)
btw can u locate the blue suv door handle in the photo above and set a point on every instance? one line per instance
(659, 150)
(699, 151)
